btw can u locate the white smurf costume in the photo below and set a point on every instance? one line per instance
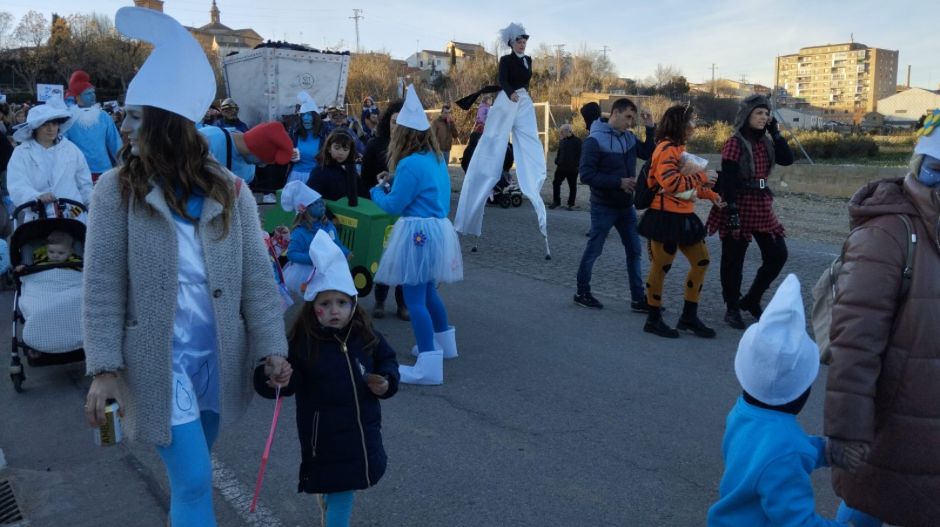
(34, 170)
(176, 77)
(423, 248)
(505, 117)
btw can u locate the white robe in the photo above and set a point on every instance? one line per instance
(60, 169)
(486, 165)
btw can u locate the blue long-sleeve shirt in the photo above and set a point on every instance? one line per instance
(298, 250)
(768, 462)
(420, 189)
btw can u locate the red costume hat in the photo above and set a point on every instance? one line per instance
(79, 82)
(270, 142)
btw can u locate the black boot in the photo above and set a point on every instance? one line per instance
(733, 318)
(656, 326)
(751, 305)
(689, 321)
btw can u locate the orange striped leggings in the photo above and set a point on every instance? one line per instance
(663, 255)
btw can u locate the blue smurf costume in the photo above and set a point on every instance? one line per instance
(311, 212)
(307, 143)
(93, 130)
(768, 457)
(423, 249)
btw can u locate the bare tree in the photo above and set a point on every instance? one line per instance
(663, 75)
(6, 29)
(33, 30)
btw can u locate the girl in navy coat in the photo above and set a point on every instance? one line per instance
(341, 368)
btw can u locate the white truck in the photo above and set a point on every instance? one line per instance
(265, 81)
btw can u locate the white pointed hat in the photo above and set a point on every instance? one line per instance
(776, 360)
(297, 196)
(176, 77)
(412, 112)
(330, 268)
(307, 104)
(54, 108)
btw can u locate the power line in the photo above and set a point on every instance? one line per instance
(357, 14)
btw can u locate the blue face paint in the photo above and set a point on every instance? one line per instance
(307, 120)
(930, 172)
(70, 101)
(317, 209)
(88, 97)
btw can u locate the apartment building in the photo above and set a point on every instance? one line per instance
(842, 81)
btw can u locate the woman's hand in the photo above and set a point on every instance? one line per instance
(104, 386)
(514, 97)
(277, 370)
(47, 197)
(718, 202)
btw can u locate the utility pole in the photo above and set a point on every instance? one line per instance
(714, 87)
(604, 50)
(357, 14)
(558, 48)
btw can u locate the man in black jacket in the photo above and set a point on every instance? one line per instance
(608, 165)
(566, 167)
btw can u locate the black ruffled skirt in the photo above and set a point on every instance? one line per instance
(671, 227)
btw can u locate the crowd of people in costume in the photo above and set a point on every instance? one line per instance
(166, 187)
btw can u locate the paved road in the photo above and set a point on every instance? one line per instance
(553, 414)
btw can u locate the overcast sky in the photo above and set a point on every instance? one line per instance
(739, 37)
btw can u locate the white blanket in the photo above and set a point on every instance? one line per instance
(51, 303)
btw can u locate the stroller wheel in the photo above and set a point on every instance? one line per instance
(505, 201)
(18, 379)
(516, 200)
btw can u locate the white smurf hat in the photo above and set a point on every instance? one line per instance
(176, 77)
(929, 142)
(307, 104)
(54, 108)
(511, 32)
(297, 196)
(330, 268)
(776, 360)
(412, 112)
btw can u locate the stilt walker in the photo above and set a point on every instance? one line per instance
(513, 112)
(423, 248)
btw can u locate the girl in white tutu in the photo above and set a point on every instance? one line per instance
(423, 248)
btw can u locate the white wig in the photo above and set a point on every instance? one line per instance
(512, 32)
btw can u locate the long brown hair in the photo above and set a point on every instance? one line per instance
(406, 141)
(175, 157)
(359, 325)
(672, 127)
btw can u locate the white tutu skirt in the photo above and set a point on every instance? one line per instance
(421, 250)
(295, 275)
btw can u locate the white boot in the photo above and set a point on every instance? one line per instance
(429, 369)
(445, 340)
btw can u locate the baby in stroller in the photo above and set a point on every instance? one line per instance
(46, 254)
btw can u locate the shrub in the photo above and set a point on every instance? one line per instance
(710, 139)
(833, 145)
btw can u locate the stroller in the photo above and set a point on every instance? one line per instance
(47, 297)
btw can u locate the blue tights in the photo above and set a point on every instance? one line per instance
(858, 518)
(189, 469)
(338, 508)
(428, 314)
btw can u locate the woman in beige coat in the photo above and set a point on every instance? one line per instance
(180, 303)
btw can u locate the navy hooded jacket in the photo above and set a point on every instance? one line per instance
(607, 156)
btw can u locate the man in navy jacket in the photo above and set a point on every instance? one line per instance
(608, 166)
